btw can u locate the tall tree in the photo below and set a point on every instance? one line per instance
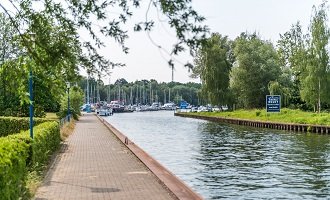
(316, 82)
(59, 53)
(256, 65)
(292, 51)
(213, 66)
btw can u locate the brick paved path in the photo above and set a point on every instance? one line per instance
(94, 164)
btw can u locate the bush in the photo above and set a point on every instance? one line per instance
(19, 154)
(14, 152)
(46, 140)
(10, 125)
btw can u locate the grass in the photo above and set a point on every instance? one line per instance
(50, 115)
(33, 181)
(67, 129)
(285, 116)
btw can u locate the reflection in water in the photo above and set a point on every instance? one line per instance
(234, 162)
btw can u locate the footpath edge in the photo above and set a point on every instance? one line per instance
(171, 181)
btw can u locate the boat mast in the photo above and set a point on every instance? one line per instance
(109, 91)
(136, 95)
(118, 92)
(131, 96)
(144, 94)
(150, 93)
(98, 91)
(87, 88)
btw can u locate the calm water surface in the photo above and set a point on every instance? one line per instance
(222, 161)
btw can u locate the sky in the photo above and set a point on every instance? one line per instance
(268, 18)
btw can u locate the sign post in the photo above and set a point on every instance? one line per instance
(273, 103)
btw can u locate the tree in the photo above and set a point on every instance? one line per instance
(292, 51)
(256, 65)
(59, 52)
(76, 100)
(75, 15)
(316, 82)
(49, 73)
(213, 66)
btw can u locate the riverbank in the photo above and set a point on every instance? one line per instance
(285, 116)
(291, 120)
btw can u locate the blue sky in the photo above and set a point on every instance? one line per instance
(269, 18)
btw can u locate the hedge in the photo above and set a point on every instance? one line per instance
(11, 125)
(19, 154)
(46, 140)
(14, 153)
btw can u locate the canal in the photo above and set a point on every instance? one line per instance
(222, 161)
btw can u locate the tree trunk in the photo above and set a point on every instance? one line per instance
(319, 99)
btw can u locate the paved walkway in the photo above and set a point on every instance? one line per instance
(94, 164)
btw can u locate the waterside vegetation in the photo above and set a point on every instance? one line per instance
(285, 116)
(241, 72)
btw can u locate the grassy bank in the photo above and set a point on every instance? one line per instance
(285, 116)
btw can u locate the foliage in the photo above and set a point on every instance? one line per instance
(14, 154)
(46, 140)
(11, 125)
(72, 16)
(76, 101)
(144, 91)
(56, 51)
(298, 69)
(255, 67)
(14, 71)
(292, 52)
(213, 66)
(285, 116)
(316, 75)
(20, 154)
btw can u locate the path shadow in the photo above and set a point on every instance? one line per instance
(93, 189)
(86, 121)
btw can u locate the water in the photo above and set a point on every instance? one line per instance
(222, 161)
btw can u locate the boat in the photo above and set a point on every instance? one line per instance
(154, 107)
(116, 106)
(169, 106)
(105, 111)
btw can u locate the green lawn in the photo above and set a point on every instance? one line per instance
(50, 115)
(285, 116)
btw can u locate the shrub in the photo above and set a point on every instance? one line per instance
(10, 125)
(46, 140)
(14, 152)
(19, 154)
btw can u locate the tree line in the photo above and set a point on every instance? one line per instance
(241, 72)
(144, 92)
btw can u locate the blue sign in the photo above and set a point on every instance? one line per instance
(183, 105)
(273, 103)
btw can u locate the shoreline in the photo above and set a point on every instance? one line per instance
(171, 181)
(320, 129)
